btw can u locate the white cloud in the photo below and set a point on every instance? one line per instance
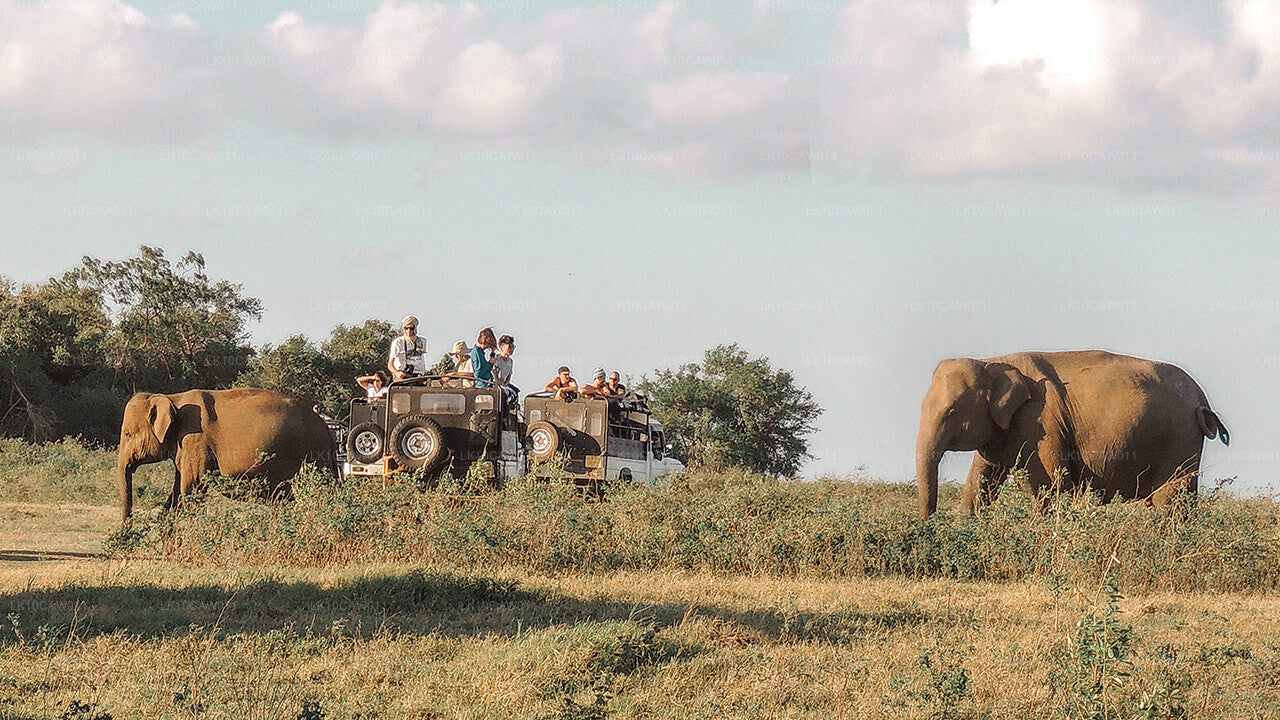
(703, 99)
(1064, 38)
(492, 88)
(1112, 91)
(1127, 92)
(613, 83)
(100, 66)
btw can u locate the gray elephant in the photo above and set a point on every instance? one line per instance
(1129, 427)
(248, 432)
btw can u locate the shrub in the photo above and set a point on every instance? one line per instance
(730, 522)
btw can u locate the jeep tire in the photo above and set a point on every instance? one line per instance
(543, 441)
(417, 443)
(364, 444)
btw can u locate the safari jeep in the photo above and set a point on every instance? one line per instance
(599, 439)
(425, 424)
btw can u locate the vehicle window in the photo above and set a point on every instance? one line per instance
(450, 404)
(484, 402)
(658, 447)
(535, 415)
(596, 424)
(401, 403)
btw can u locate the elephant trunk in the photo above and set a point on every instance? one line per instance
(928, 455)
(124, 480)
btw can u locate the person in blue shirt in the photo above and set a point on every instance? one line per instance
(482, 358)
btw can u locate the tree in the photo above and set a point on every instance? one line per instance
(358, 350)
(172, 327)
(295, 367)
(324, 374)
(52, 376)
(731, 409)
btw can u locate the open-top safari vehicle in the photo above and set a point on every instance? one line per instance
(435, 425)
(599, 439)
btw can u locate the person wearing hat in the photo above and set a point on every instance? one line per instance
(597, 387)
(408, 351)
(563, 385)
(462, 375)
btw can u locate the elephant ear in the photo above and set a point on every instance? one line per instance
(1008, 390)
(162, 415)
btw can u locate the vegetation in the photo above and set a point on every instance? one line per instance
(75, 347)
(324, 373)
(720, 595)
(729, 523)
(734, 410)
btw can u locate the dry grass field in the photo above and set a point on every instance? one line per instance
(689, 605)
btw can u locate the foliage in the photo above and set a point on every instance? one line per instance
(324, 374)
(732, 523)
(173, 328)
(732, 409)
(1098, 666)
(72, 349)
(52, 339)
(357, 350)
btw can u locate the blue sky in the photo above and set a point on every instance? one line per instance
(854, 189)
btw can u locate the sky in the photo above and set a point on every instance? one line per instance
(855, 190)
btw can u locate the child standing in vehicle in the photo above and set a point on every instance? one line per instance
(482, 358)
(503, 364)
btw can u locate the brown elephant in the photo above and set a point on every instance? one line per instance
(249, 433)
(1128, 427)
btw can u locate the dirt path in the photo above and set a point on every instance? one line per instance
(43, 532)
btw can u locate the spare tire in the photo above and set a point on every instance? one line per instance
(364, 444)
(417, 443)
(543, 440)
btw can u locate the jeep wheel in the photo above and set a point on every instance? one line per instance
(418, 443)
(364, 444)
(544, 441)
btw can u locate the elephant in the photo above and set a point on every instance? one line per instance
(1124, 426)
(247, 432)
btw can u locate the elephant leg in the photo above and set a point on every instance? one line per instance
(172, 502)
(983, 484)
(1047, 471)
(193, 462)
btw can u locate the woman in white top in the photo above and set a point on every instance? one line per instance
(375, 385)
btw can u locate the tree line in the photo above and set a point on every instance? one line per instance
(74, 348)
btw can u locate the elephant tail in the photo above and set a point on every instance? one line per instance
(1212, 426)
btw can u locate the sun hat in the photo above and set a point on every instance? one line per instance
(409, 320)
(460, 346)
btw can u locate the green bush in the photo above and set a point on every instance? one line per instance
(730, 523)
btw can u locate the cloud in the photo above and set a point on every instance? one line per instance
(1113, 91)
(1130, 93)
(101, 67)
(606, 84)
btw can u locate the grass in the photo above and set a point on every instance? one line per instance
(411, 642)
(719, 596)
(730, 523)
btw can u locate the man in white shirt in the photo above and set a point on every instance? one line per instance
(408, 351)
